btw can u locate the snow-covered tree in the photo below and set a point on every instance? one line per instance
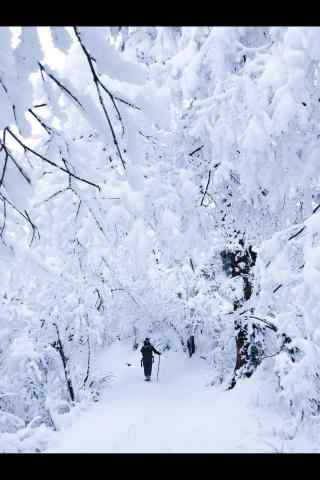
(163, 181)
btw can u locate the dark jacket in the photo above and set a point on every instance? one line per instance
(147, 350)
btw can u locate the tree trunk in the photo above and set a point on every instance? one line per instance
(247, 356)
(191, 345)
(59, 347)
(242, 343)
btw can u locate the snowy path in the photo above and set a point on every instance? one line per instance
(178, 414)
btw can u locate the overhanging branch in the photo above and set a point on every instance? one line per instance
(98, 85)
(26, 148)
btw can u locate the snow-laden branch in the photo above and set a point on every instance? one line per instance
(99, 85)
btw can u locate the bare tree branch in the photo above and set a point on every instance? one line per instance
(191, 264)
(129, 104)
(63, 88)
(4, 168)
(235, 178)
(316, 209)
(40, 105)
(59, 347)
(42, 123)
(25, 215)
(148, 137)
(34, 228)
(3, 86)
(54, 195)
(99, 302)
(127, 292)
(78, 209)
(10, 155)
(88, 364)
(277, 288)
(304, 226)
(297, 233)
(67, 168)
(26, 148)
(113, 103)
(196, 150)
(206, 190)
(4, 217)
(100, 227)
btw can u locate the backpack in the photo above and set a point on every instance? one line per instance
(146, 351)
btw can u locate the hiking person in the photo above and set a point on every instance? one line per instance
(191, 345)
(147, 351)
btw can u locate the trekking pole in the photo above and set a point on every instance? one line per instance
(158, 369)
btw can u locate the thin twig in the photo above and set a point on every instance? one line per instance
(34, 228)
(25, 215)
(3, 86)
(269, 356)
(277, 288)
(65, 89)
(191, 264)
(269, 324)
(42, 123)
(129, 104)
(100, 227)
(316, 209)
(297, 233)
(113, 103)
(99, 302)
(5, 148)
(234, 178)
(67, 168)
(304, 226)
(148, 137)
(206, 190)
(78, 209)
(126, 291)
(40, 105)
(88, 364)
(4, 218)
(4, 168)
(196, 150)
(55, 194)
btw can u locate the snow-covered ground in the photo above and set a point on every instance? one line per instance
(180, 413)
